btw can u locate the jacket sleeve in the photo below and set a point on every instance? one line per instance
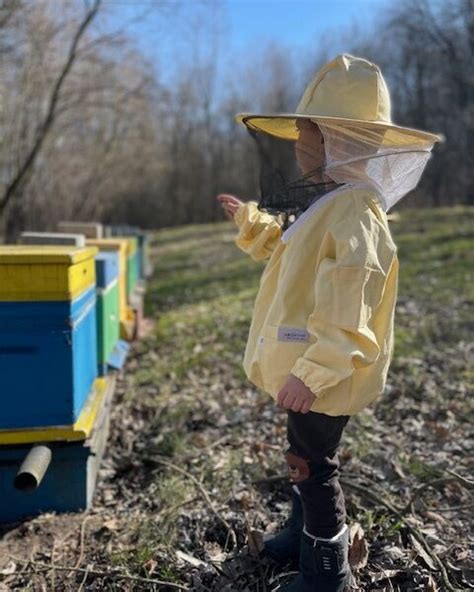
(349, 285)
(259, 233)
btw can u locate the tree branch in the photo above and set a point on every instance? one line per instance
(26, 166)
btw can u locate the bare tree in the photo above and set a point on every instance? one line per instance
(14, 185)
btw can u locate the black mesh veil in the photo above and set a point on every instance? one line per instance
(284, 188)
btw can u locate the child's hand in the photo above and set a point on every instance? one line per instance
(230, 203)
(295, 395)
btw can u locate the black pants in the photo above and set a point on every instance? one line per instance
(313, 466)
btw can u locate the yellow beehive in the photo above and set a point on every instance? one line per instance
(121, 247)
(132, 245)
(55, 273)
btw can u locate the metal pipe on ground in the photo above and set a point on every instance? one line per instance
(33, 468)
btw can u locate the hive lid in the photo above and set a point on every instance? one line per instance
(130, 242)
(108, 244)
(25, 254)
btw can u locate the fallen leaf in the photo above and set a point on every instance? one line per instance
(394, 552)
(111, 524)
(435, 516)
(9, 569)
(431, 585)
(194, 561)
(150, 566)
(418, 547)
(397, 467)
(244, 498)
(359, 551)
(385, 574)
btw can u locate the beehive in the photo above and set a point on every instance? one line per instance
(144, 263)
(48, 350)
(133, 265)
(146, 267)
(119, 246)
(108, 310)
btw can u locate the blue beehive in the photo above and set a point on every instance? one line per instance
(70, 478)
(107, 269)
(48, 350)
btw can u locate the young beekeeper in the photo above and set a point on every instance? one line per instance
(321, 337)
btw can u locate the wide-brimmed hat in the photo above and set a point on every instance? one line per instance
(347, 92)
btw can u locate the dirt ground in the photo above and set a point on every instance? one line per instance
(195, 456)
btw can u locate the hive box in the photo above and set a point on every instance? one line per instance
(48, 344)
(121, 230)
(145, 269)
(144, 266)
(145, 261)
(132, 265)
(88, 229)
(110, 351)
(119, 246)
(70, 480)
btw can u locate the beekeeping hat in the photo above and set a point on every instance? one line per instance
(348, 91)
(349, 101)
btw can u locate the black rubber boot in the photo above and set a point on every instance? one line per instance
(324, 565)
(284, 547)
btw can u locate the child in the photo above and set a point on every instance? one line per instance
(321, 337)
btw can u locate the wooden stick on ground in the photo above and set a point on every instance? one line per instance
(99, 573)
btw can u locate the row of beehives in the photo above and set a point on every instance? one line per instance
(69, 303)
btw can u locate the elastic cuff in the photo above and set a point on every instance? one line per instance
(306, 374)
(241, 212)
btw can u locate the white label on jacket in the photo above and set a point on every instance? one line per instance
(292, 334)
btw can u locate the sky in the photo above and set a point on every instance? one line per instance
(244, 24)
(296, 22)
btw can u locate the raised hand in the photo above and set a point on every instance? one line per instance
(230, 204)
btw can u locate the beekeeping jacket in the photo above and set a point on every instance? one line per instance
(325, 306)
